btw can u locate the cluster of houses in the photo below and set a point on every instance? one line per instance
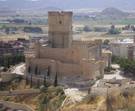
(12, 47)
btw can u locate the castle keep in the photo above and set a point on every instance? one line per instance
(71, 60)
(60, 29)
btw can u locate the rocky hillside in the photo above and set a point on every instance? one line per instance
(116, 101)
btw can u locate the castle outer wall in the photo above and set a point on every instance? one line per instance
(71, 60)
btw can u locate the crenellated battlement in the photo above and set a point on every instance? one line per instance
(58, 13)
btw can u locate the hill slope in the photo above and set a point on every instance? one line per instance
(113, 13)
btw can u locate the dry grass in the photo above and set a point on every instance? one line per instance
(114, 102)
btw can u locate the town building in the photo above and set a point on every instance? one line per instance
(131, 52)
(107, 57)
(11, 47)
(123, 48)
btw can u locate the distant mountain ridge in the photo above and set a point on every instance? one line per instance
(49, 9)
(113, 13)
(68, 4)
(43, 6)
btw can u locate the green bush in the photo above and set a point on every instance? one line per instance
(131, 108)
(6, 99)
(127, 65)
(114, 31)
(87, 29)
(52, 98)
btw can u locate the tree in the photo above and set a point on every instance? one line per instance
(113, 30)
(56, 80)
(8, 62)
(48, 72)
(7, 30)
(27, 80)
(36, 70)
(31, 81)
(45, 103)
(44, 80)
(29, 69)
(39, 72)
(0, 85)
(108, 102)
(87, 29)
(38, 83)
(106, 42)
(127, 65)
(22, 57)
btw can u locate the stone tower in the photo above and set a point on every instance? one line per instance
(60, 29)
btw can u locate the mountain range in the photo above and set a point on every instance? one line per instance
(68, 4)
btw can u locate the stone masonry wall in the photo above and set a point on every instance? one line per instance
(69, 55)
(60, 29)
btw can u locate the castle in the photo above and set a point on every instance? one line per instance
(71, 60)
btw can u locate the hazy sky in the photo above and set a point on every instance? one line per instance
(68, 4)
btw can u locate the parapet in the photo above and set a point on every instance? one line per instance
(62, 13)
(87, 42)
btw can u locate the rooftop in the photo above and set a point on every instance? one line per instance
(124, 41)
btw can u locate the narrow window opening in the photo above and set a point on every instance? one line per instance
(60, 22)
